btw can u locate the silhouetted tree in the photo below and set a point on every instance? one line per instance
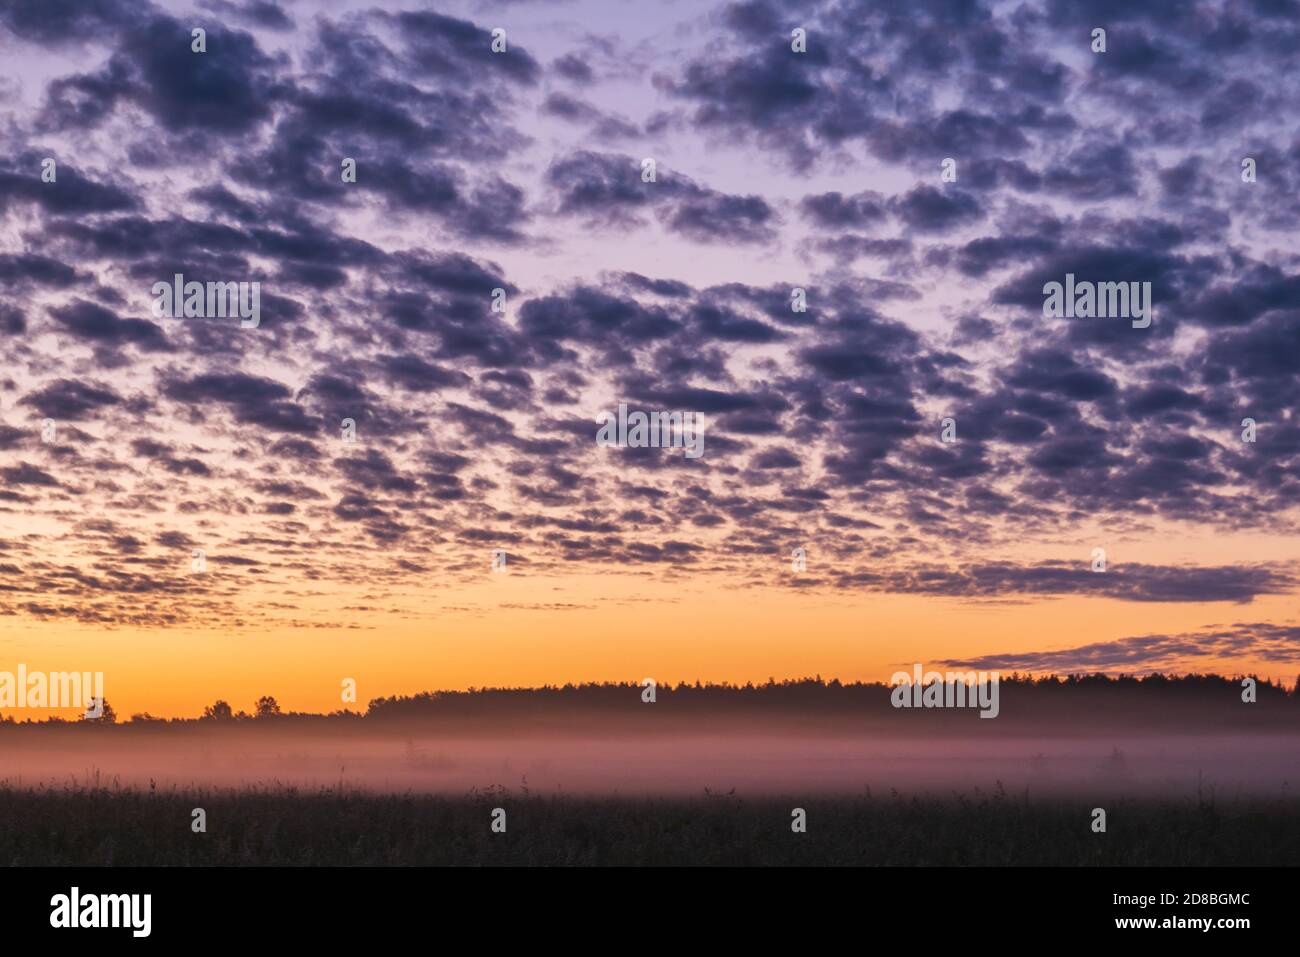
(218, 711)
(107, 715)
(267, 707)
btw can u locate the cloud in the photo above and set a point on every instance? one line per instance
(610, 189)
(69, 399)
(1126, 582)
(1243, 641)
(93, 323)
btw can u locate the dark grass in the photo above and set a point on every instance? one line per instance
(282, 826)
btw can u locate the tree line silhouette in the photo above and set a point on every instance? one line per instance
(1202, 699)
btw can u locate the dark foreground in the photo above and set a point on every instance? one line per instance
(92, 827)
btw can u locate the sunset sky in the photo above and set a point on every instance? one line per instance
(475, 430)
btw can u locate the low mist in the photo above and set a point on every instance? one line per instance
(758, 761)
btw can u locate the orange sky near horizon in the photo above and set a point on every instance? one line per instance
(601, 628)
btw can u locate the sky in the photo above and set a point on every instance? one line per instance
(130, 440)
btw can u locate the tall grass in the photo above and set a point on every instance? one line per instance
(94, 823)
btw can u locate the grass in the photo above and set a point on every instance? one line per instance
(89, 825)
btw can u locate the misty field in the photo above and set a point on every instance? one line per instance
(1187, 773)
(78, 825)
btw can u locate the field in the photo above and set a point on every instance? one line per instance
(87, 825)
(1186, 772)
